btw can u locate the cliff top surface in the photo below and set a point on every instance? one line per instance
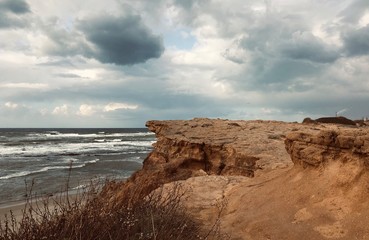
(310, 180)
(261, 139)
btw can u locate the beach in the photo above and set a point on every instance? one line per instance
(16, 208)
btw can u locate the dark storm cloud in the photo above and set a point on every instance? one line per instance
(279, 72)
(355, 39)
(11, 11)
(356, 42)
(14, 6)
(305, 46)
(281, 53)
(354, 11)
(280, 37)
(122, 40)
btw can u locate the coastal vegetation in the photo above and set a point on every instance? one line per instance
(88, 215)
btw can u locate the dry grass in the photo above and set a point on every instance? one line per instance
(87, 215)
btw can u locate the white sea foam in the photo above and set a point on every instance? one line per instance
(14, 175)
(93, 161)
(139, 143)
(56, 134)
(72, 148)
(135, 159)
(108, 140)
(44, 169)
(69, 160)
(82, 186)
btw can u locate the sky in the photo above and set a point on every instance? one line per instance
(119, 63)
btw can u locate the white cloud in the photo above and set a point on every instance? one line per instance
(269, 111)
(116, 106)
(86, 110)
(364, 20)
(235, 52)
(44, 111)
(11, 105)
(90, 74)
(24, 85)
(60, 110)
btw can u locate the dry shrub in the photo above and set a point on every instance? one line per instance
(87, 215)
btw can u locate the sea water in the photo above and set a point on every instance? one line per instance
(48, 160)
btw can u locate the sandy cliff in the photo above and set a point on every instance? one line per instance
(271, 180)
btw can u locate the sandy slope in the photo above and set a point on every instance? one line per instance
(283, 204)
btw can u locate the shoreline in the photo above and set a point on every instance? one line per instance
(17, 207)
(84, 190)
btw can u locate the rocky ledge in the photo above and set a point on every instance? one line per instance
(202, 147)
(219, 147)
(316, 149)
(246, 167)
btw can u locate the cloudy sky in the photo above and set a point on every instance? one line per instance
(119, 63)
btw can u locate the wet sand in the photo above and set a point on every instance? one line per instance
(17, 208)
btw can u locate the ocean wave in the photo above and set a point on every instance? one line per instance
(82, 186)
(138, 143)
(108, 140)
(71, 149)
(93, 161)
(56, 134)
(44, 169)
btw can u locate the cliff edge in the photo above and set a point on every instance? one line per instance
(263, 179)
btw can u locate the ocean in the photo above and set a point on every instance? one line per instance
(44, 159)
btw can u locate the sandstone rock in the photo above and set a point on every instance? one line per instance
(220, 146)
(320, 202)
(214, 146)
(309, 121)
(244, 166)
(315, 149)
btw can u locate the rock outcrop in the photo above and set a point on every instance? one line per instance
(203, 146)
(245, 167)
(219, 147)
(309, 149)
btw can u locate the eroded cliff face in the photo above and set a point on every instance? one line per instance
(316, 149)
(202, 147)
(276, 180)
(219, 147)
